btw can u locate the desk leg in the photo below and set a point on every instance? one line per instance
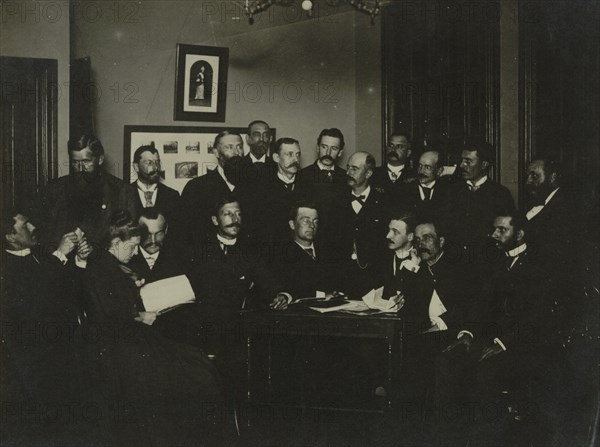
(390, 373)
(269, 362)
(248, 376)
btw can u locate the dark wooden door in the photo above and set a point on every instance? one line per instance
(559, 59)
(82, 96)
(441, 71)
(28, 120)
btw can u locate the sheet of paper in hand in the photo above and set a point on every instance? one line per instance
(374, 300)
(160, 296)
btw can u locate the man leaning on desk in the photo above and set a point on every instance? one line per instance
(304, 264)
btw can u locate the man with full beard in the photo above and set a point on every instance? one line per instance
(258, 165)
(200, 193)
(551, 216)
(86, 197)
(396, 172)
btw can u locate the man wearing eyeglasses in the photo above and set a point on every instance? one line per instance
(396, 172)
(303, 265)
(85, 198)
(428, 196)
(150, 192)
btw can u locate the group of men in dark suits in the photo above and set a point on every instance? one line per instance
(258, 230)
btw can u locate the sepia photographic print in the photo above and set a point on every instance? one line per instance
(321, 223)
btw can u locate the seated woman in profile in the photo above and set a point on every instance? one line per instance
(151, 385)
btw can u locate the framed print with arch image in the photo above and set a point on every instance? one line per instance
(201, 83)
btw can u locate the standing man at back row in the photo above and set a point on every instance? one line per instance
(324, 178)
(473, 206)
(396, 172)
(86, 197)
(258, 164)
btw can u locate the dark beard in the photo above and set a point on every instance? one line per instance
(233, 169)
(84, 197)
(259, 149)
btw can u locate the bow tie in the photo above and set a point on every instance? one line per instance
(360, 199)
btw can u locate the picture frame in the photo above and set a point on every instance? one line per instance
(200, 83)
(185, 152)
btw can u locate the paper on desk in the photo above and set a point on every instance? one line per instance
(349, 306)
(374, 300)
(166, 293)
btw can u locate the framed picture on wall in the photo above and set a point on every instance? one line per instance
(185, 152)
(200, 83)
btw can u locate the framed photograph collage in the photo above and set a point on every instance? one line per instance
(185, 152)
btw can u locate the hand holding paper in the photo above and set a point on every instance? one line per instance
(374, 300)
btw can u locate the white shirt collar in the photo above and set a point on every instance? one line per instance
(322, 167)
(221, 172)
(147, 255)
(479, 182)
(428, 185)
(395, 169)
(224, 241)
(365, 193)
(23, 253)
(262, 159)
(284, 179)
(145, 187)
(312, 245)
(552, 194)
(517, 250)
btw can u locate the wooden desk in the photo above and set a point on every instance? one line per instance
(265, 325)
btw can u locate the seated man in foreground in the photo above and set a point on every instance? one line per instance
(509, 342)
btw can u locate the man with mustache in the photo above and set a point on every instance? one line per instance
(158, 260)
(396, 172)
(86, 197)
(229, 274)
(510, 342)
(282, 190)
(258, 163)
(259, 140)
(324, 178)
(149, 190)
(550, 212)
(358, 223)
(40, 315)
(474, 203)
(428, 196)
(200, 193)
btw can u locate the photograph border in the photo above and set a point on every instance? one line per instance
(183, 50)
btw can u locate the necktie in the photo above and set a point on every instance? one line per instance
(311, 252)
(148, 197)
(426, 193)
(509, 262)
(289, 186)
(359, 199)
(150, 261)
(399, 264)
(224, 248)
(393, 175)
(473, 187)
